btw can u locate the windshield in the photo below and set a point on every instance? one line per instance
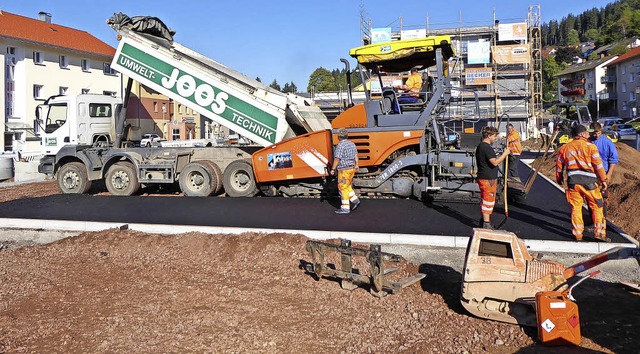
(56, 117)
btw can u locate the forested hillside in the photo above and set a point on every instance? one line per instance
(609, 24)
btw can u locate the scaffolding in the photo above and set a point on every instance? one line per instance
(516, 87)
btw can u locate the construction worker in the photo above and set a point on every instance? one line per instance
(345, 162)
(608, 154)
(413, 84)
(584, 170)
(487, 176)
(515, 146)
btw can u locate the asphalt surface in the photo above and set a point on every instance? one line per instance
(545, 215)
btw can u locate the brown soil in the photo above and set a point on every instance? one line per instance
(125, 291)
(624, 190)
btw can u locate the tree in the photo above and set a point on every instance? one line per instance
(573, 38)
(549, 70)
(275, 85)
(566, 54)
(591, 34)
(290, 87)
(618, 49)
(321, 80)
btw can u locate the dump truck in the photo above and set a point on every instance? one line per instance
(147, 54)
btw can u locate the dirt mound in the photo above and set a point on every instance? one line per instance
(624, 188)
(118, 291)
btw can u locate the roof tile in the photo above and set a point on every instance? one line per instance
(29, 29)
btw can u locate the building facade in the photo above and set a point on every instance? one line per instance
(41, 59)
(622, 80)
(586, 83)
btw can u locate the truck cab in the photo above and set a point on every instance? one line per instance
(77, 120)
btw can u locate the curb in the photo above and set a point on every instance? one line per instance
(45, 231)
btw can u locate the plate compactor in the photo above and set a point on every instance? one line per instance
(501, 280)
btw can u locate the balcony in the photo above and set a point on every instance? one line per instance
(607, 96)
(608, 79)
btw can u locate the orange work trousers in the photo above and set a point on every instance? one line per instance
(488, 188)
(345, 179)
(576, 197)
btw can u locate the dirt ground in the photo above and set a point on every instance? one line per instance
(125, 291)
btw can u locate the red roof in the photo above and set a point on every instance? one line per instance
(628, 55)
(32, 30)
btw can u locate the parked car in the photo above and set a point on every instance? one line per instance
(149, 140)
(625, 129)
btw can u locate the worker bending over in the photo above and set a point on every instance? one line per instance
(584, 169)
(515, 146)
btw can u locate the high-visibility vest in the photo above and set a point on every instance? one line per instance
(582, 161)
(513, 143)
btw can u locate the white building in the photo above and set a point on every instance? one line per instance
(42, 59)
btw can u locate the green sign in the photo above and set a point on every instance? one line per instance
(189, 87)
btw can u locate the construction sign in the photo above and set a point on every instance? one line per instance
(511, 54)
(478, 76)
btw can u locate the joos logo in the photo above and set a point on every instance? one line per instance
(203, 94)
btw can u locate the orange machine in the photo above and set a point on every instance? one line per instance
(501, 279)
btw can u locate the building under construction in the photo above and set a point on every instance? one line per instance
(496, 71)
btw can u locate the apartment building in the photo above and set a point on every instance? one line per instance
(587, 82)
(622, 79)
(41, 59)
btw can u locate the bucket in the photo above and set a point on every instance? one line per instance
(6, 167)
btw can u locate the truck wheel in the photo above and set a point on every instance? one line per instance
(197, 179)
(239, 180)
(72, 178)
(122, 179)
(217, 173)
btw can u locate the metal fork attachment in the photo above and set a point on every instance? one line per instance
(350, 277)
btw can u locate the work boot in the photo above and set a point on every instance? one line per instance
(487, 225)
(342, 211)
(356, 204)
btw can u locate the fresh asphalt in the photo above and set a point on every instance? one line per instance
(545, 215)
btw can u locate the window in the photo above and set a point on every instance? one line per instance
(64, 61)
(632, 77)
(38, 92)
(155, 107)
(106, 69)
(179, 108)
(38, 58)
(623, 69)
(85, 91)
(624, 106)
(632, 96)
(99, 110)
(63, 90)
(11, 50)
(109, 93)
(624, 87)
(85, 65)
(175, 134)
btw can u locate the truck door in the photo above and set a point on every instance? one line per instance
(57, 132)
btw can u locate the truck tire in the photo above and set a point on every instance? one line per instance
(239, 180)
(217, 172)
(72, 178)
(122, 179)
(197, 179)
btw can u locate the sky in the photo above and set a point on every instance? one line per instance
(287, 40)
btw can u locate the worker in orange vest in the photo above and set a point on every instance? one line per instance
(515, 146)
(584, 170)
